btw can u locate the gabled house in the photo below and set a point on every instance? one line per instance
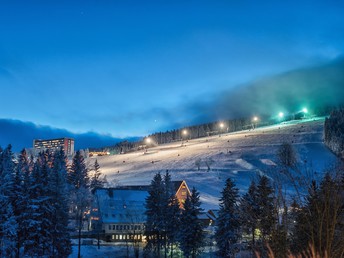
(118, 214)
(182, 191)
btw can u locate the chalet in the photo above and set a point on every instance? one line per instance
(118, 214)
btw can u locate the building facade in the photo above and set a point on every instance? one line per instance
(118, 214)
(66, 144)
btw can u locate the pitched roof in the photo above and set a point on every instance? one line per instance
(121, 205)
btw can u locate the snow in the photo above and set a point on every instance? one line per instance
(241, 155)
(92, 251)
(122, 203)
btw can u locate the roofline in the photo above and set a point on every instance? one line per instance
(54, 139)
(187, 187)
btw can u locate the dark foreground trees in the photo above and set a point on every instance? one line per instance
(228, 221)
(168, 223)
(33, 206)
(191, 236)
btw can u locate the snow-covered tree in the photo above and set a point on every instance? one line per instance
(78, 174)
(228, 221)
(8, 222)
(39, 213)
(21, 184)
(61, 244)
(96, 181)
(191, 235)
(80, 192)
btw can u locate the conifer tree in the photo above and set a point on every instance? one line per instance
(228, 221)
(80, 192)
(95, 180)
(78, 174)
(265, 202)
(191, 237)
(154, 212)
(172, 214)
(33, 214)
(8, 223)
(20, 204)
(249, 212)
(61, 244)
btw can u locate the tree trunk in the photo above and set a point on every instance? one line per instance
(79, 242)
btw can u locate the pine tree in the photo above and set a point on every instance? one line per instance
(228, 221)
(8, 223)
(21, 202)
(320, 222)
(39, 213)
(61, 244)
(155, 213)
(80, 191)
(249, 212)
(266, 210)
(78, 174)
(96, 181)
(191, 237)
(172, 214)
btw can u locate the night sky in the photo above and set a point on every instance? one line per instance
(131, 68)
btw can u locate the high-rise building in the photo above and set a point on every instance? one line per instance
(67, 144)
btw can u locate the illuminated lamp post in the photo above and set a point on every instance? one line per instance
(255, 121)
(148, 142)
(221, 125)
(184, 134)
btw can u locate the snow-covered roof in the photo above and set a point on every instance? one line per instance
(121, 205)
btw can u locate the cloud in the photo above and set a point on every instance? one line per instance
(21, 135)
(313, 87)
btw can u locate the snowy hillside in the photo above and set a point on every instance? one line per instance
(241, 155)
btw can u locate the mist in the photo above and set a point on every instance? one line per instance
(314, 87)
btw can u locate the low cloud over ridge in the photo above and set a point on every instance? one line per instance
(21, 135)
(314, 87)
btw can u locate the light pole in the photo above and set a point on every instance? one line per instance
(255, 121)
(184, 134)
(221, 125)
(148, 141)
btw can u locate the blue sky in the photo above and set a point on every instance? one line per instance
(130, 68)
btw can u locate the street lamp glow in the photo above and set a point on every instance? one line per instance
(280, 114)
(222, 125)
(255, 118)
(305, 110)
(185, 132)
(148, 140)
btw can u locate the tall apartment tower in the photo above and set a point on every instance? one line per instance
(67, 144)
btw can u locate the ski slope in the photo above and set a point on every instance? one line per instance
(241, 155)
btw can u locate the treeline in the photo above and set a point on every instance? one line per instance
(334, 132)
(38, 198)
(192, 132)
(202, 130)
(308, 227)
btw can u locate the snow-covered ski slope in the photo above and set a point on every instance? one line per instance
(241, 155)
